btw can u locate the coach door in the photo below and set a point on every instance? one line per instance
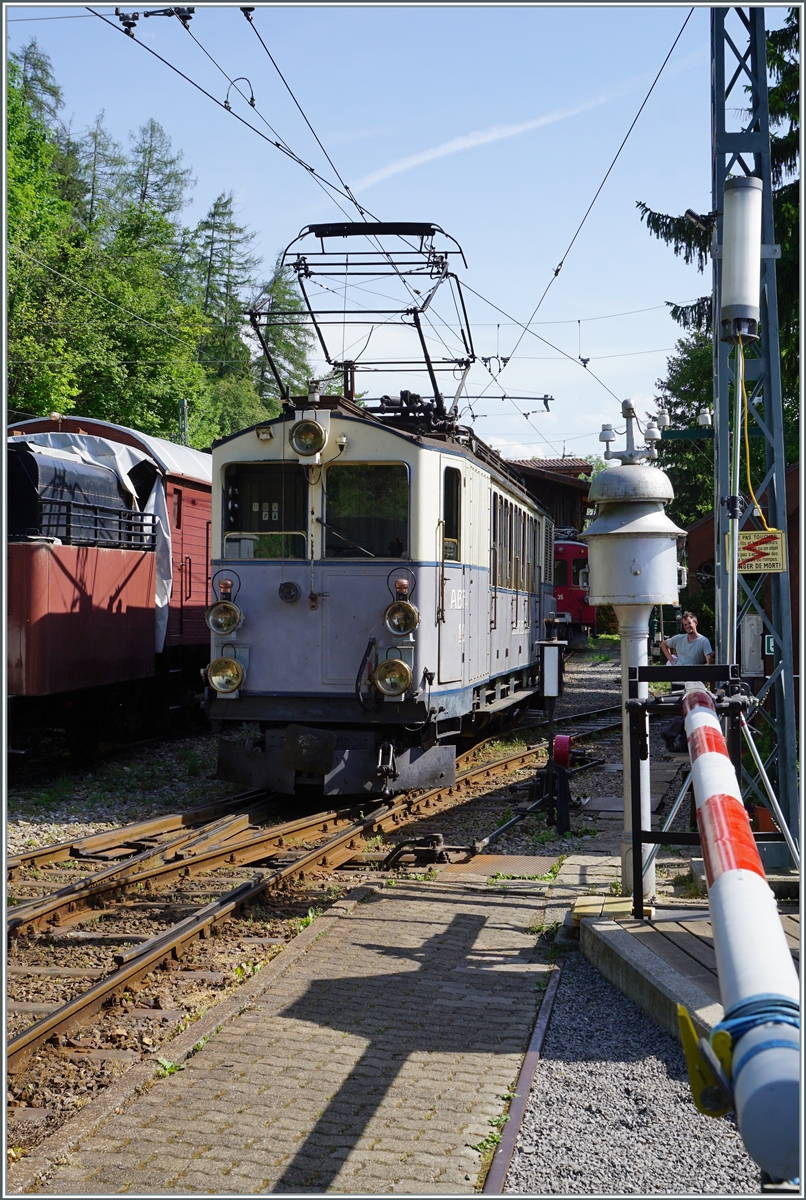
(452, 594)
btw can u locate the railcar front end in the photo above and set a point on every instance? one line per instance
(376, 592)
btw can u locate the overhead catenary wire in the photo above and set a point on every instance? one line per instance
(279, 145)
(345, 191)
(598, 191)
(528, 329)
(283, 145)
(248, 14)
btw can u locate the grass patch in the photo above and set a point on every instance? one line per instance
(551, 874)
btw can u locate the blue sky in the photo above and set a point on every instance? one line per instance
(495, 122)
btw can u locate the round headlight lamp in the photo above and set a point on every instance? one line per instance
(307, 437)
(392, 677)
(223, 617)
(225, 674)
(401, 617)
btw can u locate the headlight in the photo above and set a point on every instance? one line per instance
(401, 617)
(392, 677)
(223, 617)
(307, 437)
(225, 674)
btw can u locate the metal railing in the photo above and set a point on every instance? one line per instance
(78, 524)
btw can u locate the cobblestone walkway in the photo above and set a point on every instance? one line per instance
(375, 1064)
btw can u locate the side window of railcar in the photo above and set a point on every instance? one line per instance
(548, 551)
(577, 565)
(451, 513)
(560, 572)
(265, 511)
(367, 510)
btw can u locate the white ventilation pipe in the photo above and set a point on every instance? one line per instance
(757, 979)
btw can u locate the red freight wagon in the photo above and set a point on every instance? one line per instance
(108, 570)
(79, 617)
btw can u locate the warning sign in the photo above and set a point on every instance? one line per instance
(761, 550)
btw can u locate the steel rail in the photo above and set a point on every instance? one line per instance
(108, 878)
(602, 713)
(75, 1013)
(113, 838)
(173, 861)
(191, 853)
(337, 850)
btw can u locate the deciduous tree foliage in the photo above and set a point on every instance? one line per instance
(117, 310)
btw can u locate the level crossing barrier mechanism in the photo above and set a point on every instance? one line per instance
(730, 702)
(750, 1062)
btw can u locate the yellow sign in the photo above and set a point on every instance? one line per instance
(761, 550)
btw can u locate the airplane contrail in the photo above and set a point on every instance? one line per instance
(468, 141)
(497, 133)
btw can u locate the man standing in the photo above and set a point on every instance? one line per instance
(686, 649)
(689, 648)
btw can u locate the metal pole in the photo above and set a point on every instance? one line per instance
(633, 624)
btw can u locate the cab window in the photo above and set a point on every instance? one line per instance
(265, 511)
(560, 572)
(367, 510)
(451, 512)
(578, 564)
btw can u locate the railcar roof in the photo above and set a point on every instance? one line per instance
(174, 459)
(473, 447)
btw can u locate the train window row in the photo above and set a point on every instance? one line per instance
(561, 571)
(514, 545)
(266, 511)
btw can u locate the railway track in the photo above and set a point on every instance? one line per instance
(127, 870)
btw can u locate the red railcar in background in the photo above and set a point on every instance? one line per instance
(571, 584)
(108, 577)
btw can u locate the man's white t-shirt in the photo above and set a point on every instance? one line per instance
(689, 654)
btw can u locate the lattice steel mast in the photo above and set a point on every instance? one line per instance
(739, 76)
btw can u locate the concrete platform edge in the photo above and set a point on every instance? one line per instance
(33, 1169)
(643, 977)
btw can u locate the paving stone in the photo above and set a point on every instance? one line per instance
(338, 1067)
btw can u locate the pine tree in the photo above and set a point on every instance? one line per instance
(155, 177)
(225, 272)
(104, 165)
(40, 91)
(289, 341)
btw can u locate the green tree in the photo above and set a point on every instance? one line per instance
(289, 341)
(40, 368)
(686, 390)
(226, 268)
(155, 177)
(40, 91)
(103, 166)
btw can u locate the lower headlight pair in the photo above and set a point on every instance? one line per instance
(225, 674)
(392, 677)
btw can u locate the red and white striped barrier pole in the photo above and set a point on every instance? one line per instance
(757, 979)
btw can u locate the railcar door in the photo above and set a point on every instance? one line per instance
(176, 611)
(452, 593)
(477, 621)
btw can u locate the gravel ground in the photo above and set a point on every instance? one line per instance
(610, 1111)
(160, 778)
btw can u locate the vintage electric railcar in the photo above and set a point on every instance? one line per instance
(575, 615)
(377, 590)
(107, 559)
